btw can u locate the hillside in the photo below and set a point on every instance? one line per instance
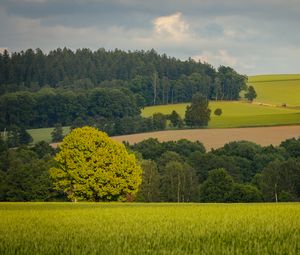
(237, 114)
(72, 88)
(277, 89)
(273, 91)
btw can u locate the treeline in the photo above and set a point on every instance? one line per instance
(150, 77)
(48, 107)
(238, 172)
(172, 172)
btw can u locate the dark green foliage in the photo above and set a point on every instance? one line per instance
(198, 113)
(43, 149)
(243, 149)
(178, 182)
(150, 148)
(153, 149)
(251, 93)
(40, 90)
(292, 147)
(167, 157)
(57, 133)
(184, 147)
(281, 179)
(218, 187)
(228, 84)
(159, 121)
(173, 171)
(175, 119)
(49, 107)
(26, 177)
(149, 190)
(245, 193)
(203, 163)
(218, 112)
(83, 69)
(17, 136)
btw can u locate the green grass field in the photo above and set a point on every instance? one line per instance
(44, 134)
(115, 228)
(237, 114)
(277, 89)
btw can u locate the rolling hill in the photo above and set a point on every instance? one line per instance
(266, 110)
(277, 89)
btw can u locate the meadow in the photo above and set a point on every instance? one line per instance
(277, 89)
(236, 114)
(114, 228)
(44, 134)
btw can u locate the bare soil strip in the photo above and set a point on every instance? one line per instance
(216, 138)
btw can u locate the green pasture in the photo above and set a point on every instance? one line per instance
(44, 134)
(277, 89)
(237, 114)
(132, 228)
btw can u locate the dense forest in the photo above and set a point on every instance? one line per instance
(66, 87)
(179, 171)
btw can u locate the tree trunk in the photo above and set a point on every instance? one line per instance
(178, 189)
(276, 197)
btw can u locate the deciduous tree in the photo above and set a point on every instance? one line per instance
(251, 93)
(92, 167)
(198, 113)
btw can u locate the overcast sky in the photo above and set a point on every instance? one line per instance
(253, 36)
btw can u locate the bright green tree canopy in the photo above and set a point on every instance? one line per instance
(92, 167)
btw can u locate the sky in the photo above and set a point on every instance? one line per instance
(253, 36)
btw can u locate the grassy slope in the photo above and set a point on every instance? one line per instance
(237, 114)
(277, 89)
(115, 228)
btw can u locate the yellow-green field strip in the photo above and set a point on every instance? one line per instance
(115, 228)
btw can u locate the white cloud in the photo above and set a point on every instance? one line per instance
(226, 58)
(252, 41)
(201, 58)
(172, 26)
(221, 57)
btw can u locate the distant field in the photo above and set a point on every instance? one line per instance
(237, 114)
(216, 138)
(44, 134)
(274, 90)
(134, 228)
(277, 89)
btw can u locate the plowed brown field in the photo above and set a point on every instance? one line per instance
(215, 138)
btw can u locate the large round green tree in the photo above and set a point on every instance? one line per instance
(92, 167)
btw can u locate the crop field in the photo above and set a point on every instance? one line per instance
(216, 138)
(115, 228)
(237, 114)
(277, 89)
